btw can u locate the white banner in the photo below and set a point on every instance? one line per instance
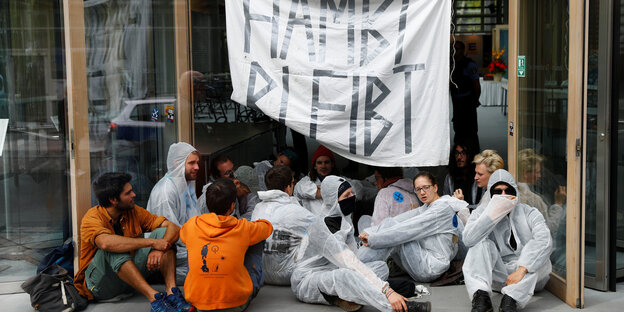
(366, 78)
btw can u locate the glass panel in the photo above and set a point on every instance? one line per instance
(130, 50)
(221, 125)
(542, 116)
(619, 162)
(596, 89)
(34, 192)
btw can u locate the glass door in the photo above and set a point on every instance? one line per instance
(132, 89)
(542, 116)
(597, 171)
(545, 107)
(617, 141)
(34, 180)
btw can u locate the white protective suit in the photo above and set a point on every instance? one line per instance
(394, 200)
(305, 192)
(423, 241)
(290, 224)
(326, 262)
(174, 198)
(491, 257)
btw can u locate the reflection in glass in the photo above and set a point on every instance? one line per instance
(542, 116)
(619, 162)
(594, 247)
(34, 206)
(132, 88)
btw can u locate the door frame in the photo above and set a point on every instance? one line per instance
(570, 288)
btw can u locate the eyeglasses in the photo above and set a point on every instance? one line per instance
(424, 188)
(460, 153)
(229, 174)
(507, 191)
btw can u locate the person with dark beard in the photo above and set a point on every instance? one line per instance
(115, 258)
(459, 182)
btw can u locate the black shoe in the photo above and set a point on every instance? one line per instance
(508, 304)
(481, 302)
(415, 306)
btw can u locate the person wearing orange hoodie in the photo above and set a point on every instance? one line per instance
(217, 243)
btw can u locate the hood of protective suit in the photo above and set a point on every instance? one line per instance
(178, 152)
(176, 165)
(404, 184)
(502, 175)
(173, 197)
(277, 196)
(329, 192)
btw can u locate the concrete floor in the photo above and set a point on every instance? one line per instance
(277, 299)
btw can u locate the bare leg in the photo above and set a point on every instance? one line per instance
(129, 273)
(168, 269)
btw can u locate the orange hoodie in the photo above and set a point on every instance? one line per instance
(217, 278)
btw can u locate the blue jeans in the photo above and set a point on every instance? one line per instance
(253, 263)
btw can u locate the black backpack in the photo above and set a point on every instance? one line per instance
(53, 290)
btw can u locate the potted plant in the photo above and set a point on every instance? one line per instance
(497, 67)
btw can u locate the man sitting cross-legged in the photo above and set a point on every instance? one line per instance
(115, 259)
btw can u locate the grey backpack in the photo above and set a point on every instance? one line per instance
(53, 290)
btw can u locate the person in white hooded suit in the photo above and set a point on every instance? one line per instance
(290, 224)
(510, 246)
(174, 196)
(424, 240)
(329, 272)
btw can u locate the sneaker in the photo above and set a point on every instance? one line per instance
(481, 301)
(346, 305)
(177, 301)
(415, 306)
(507, 304)
(159, 305)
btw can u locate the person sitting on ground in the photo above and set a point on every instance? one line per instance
(286, 157)
(174, 195)
(222, 167)
(327, 271)
(396, 195)
(308, 189)
(422, 241)
(510, 246)
(115, 259)
(290, 224)
(486, 163)
(217, 243)
(460, 182)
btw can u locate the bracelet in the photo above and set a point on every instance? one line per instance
(389, 293)
(384, 289)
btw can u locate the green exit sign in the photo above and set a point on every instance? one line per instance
(521, 66)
